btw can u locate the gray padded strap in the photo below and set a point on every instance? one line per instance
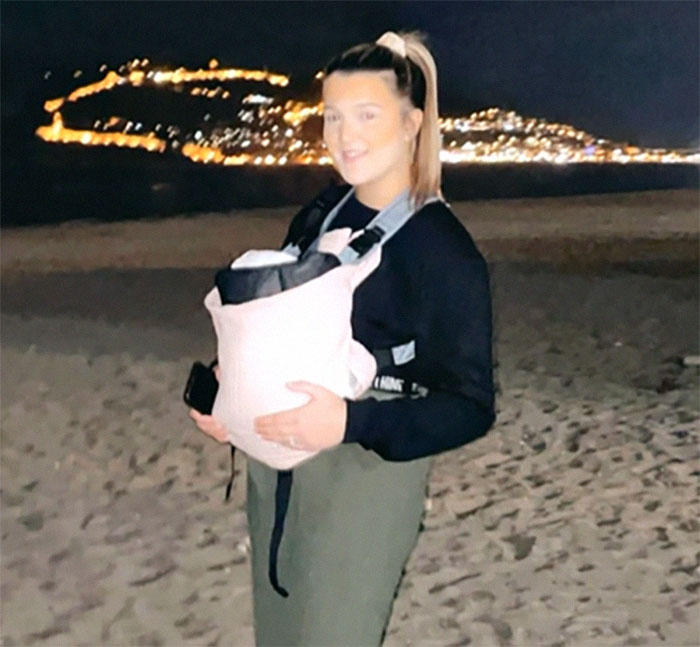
(389, 220)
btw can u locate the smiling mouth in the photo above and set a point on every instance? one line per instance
(353, 157)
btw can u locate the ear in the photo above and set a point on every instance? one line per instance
(416, 119)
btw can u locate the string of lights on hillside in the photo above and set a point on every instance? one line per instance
(269, 132)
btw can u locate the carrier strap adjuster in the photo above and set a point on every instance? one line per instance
(365, 241)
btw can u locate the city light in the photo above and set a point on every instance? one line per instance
(265, 131)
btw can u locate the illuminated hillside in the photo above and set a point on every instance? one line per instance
(252, 128)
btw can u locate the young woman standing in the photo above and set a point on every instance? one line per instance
(355, 510)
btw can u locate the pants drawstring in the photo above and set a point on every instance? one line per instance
(282, 493)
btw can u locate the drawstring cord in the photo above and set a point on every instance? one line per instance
(282, 495)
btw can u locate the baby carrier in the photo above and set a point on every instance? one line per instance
(283, 321)
(285, 315)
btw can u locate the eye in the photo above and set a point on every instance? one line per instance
(368, 115)
(328, 117)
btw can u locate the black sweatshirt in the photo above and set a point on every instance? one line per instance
(430, 288)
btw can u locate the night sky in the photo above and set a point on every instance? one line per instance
(620, 70)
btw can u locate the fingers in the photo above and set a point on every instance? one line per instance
(285, 441)
(276, 421)
(209, 425)
(282, 438)
(278, 429)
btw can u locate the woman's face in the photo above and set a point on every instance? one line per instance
(363, 129)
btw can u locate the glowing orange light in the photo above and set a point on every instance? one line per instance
(506, 136)
(56, 132)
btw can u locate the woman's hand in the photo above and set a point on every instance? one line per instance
(209, 424)
(316, 425)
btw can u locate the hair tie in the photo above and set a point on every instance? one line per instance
(394, 42)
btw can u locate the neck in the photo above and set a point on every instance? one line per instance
(378, 193)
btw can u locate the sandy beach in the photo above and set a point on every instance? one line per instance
(573, 522)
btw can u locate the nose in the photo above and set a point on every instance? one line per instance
(347, 134)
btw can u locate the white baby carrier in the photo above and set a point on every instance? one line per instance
(282, 316)
(300, 333)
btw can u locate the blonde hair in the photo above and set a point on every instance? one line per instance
(415, 74)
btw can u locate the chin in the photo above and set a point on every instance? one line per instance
(352, 177)
(360, 176)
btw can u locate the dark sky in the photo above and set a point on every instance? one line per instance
(621, 70)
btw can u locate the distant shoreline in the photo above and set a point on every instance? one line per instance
(655, 227)
(60, 183)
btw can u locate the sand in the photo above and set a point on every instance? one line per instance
(585, 229)
(573, 522)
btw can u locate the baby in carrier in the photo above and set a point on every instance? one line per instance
(280, 318)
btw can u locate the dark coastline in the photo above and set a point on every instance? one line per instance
(57, 183)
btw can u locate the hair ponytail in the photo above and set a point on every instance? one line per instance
(426, 168)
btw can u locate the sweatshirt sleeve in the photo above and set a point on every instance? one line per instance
(453, 359)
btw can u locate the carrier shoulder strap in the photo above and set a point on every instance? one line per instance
(379, 230)
(303, 232)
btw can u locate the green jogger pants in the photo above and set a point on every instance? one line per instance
(352, 522)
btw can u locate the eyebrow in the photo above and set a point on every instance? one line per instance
(359, 103)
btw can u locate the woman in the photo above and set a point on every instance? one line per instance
(356, 508)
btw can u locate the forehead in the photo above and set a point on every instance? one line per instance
(343, 90)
